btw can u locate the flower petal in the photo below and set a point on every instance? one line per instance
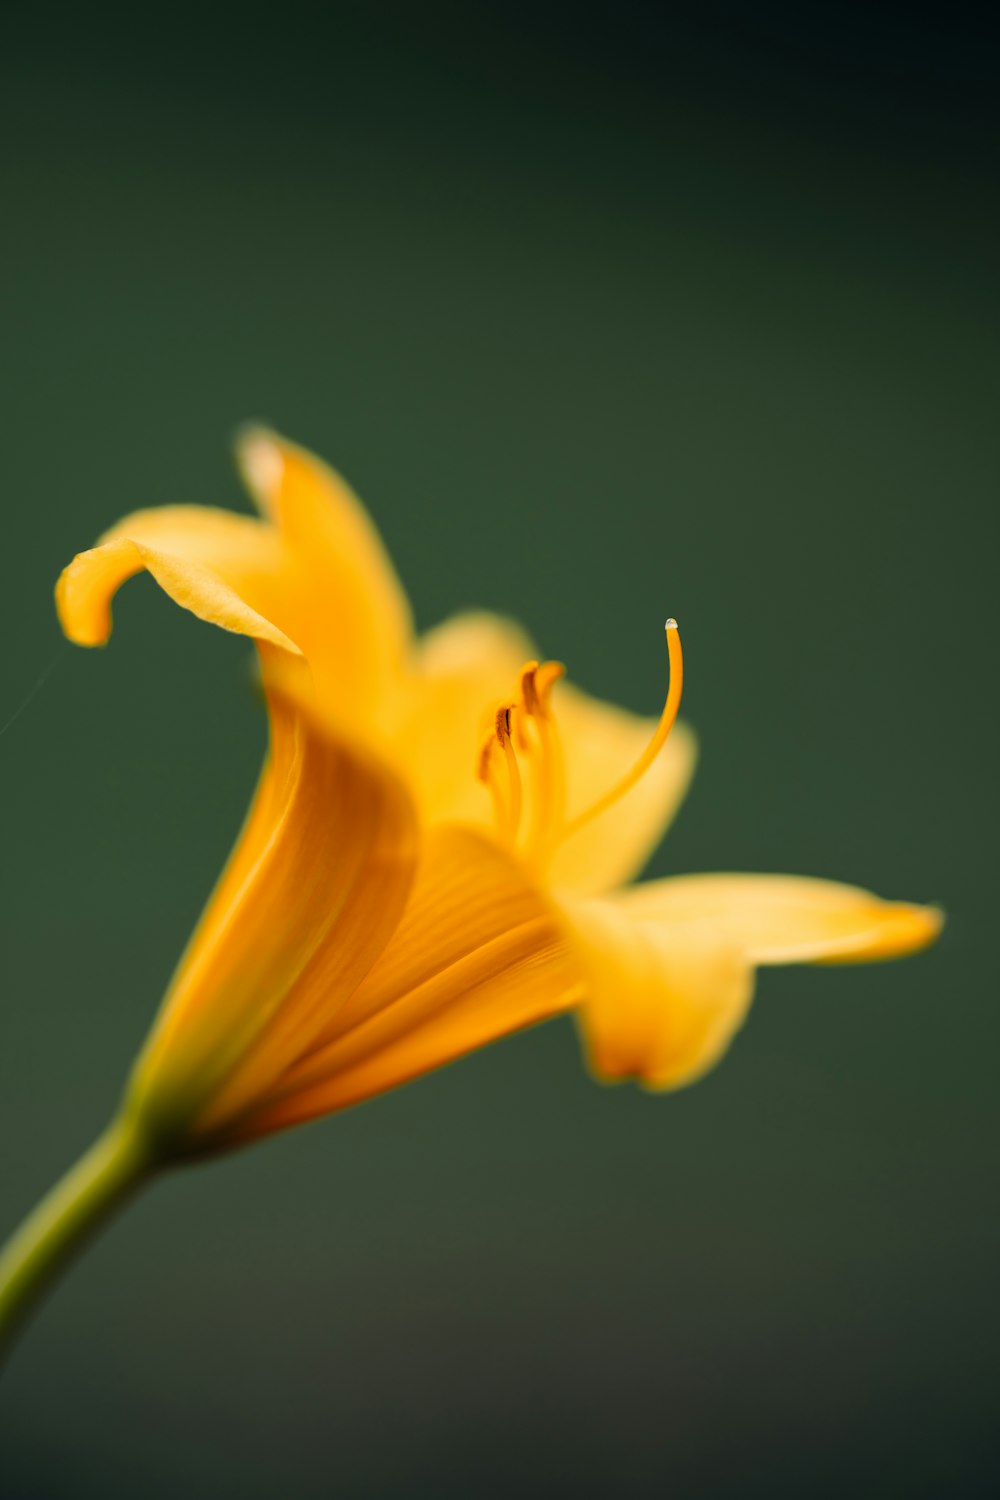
(479, 953)
(353, 620)
(657, 1009)
(462, 670)
(783, 919)
(601, 744)
(227, 569)
(314, 890)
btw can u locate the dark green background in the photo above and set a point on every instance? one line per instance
(607, 314)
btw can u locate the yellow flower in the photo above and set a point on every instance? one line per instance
(407, 889)
(413, 882)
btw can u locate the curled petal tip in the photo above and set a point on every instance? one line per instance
(912, 927)
(83, 621)
(258, 454)
(934, 922)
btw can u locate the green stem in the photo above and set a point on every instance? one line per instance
(102, 1179)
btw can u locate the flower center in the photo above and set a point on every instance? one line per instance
(530, 810)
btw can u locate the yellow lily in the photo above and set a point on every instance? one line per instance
(406, 887)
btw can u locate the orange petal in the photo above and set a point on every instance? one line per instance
(478, 954)
(657, 1009)
(314, 890)
(783, 919)
(229, 570)
(353, 619)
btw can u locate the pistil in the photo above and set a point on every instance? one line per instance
(656, 744)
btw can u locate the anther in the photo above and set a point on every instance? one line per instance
(545, 679)
(502, 723)
(529, 691)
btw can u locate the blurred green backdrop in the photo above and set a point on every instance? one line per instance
(607, 314)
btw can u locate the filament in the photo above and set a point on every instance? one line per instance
(505, 790)
(486, 772)
(551, 773)
(503, 731)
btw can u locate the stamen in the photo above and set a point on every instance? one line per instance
(529, 693)
(656, 744)
(503, 732)
(545, 757)
(486, 772)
